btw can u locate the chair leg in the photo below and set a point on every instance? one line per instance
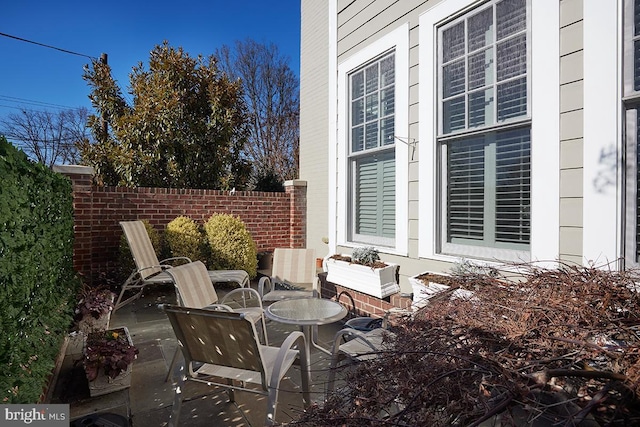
(305, 373)
(230, 391)
(332, 372)
(272, 402)
(177, 401)
(336, 356)
(175, 358)
(264, 331)
(119, 303)
(132, 282)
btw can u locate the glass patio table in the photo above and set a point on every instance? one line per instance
(307, 313)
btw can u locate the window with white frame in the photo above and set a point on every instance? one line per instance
(631, 95)
(372, 160)
(371, 174)
(484, 130)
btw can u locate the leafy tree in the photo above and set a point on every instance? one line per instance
(184, 128)
(47, 137)
(271, 92)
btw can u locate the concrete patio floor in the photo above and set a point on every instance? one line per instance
(149, 400)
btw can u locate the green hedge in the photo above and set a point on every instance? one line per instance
(37, 282)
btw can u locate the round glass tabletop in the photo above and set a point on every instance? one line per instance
(306, 311)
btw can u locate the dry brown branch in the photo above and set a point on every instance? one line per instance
(559, 344)
(543, 377)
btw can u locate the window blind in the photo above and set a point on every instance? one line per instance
(513, 186)
(465, 178)
(489, 188)
(375, 195)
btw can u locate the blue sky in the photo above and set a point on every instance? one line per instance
(32, 75)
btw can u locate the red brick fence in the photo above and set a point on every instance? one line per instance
(273, 219)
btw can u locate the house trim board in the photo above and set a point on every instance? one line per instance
(333, 120)
(602, 152)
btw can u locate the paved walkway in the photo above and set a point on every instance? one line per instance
(148, 401)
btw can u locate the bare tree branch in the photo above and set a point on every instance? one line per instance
(272, 98)
(47, 137)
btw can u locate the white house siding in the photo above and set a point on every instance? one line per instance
(335, 32)
(571, 130)
(314, 113)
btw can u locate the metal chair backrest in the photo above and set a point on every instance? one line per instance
(194, 285)
(141, 248)
(294, 266)
(217, 338)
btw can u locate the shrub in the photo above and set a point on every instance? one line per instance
(38, 283)
(231, 244)
(268, 181)
(367, 255)
(126, 259)
(184, 238)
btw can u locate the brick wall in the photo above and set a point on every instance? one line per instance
(365, 305)
(273, 219)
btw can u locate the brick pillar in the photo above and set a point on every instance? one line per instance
(297, 191)
(81, 179)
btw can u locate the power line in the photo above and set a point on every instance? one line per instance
(63, 141)
(10, 106)
(48, 46)
(31, 110)
(7, 98)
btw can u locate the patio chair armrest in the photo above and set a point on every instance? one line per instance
(293, 338)
(161, 266)
(261, 285)
(218, 307)
(163, 263)
(252, 293)
(138, 271)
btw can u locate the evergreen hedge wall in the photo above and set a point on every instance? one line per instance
(37, 282)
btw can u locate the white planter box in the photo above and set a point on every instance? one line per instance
(423, 291)
(377, 282)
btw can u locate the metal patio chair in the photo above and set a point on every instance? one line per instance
(294, 270)
(361, 346)
(150, 271)
(194, 289)
(222, 349)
